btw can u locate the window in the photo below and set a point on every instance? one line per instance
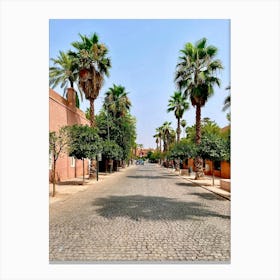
(72, 161)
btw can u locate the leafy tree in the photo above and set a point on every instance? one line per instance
(58, 145)
(84, 142)
(149, 154)
(179, 105)
(207, 127)
(122, 132)
(212, 147)
(93, 64)
(64, 72)
(111, 151)
(182, 150)
(196, 77)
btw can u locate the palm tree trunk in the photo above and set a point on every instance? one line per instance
(178, 130)
(91, 112)
(198, 161)
(92, 170)
(198, 124)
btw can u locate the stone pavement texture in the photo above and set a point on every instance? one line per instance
(207, 183)
(144, 213)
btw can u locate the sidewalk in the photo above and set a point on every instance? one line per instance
(206, 183)
(67, 188)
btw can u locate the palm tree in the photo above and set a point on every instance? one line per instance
(159, 135)
(167, 135)
(179, 105)
(196, 77)
(93, 65)
(64, 72)
(157, 140)
(116, 101)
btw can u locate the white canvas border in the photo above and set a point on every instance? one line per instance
(255, 123)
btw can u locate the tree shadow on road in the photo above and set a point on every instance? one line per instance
(147, 177)
(186, 184)
(208, 196)
(152, 208)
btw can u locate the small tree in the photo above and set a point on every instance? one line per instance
(111, 151)
(213, 147)
(58, 143)
(182, 150)
(84, 142)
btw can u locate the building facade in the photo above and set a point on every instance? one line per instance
(64, 112)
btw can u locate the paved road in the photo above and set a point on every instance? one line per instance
(143, 214)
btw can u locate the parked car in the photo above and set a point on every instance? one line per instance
(140, 162)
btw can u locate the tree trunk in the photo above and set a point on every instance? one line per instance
(198, 165)
(91, 112)
(83, 170)
(198, 125)
(177, 164)
(92, 169)
(198, 162)
(178, 130)
(54, 181)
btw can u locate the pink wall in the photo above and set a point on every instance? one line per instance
(63, 112)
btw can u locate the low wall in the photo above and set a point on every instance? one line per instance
(225, 184)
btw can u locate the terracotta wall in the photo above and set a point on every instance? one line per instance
(64, 112)
(225, 169)
(223, 173)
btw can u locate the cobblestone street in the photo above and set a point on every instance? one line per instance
(144, 213)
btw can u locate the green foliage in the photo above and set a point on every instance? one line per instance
(207, 127)
(213, 147)
(167, 135)
(111, 150)
(64, 72)
(122, 131)
(182, 150)
(183, 123)
(149, 154)
(196, 71)
(84, 141)
(178, 104)
(116, 101)
(91, 55)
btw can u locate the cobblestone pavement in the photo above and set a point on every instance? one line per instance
(142, 214)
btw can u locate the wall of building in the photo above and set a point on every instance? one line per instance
(223, 173)
(64, 112)
(225, 169)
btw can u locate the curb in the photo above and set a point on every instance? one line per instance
(196, 183)
(212, 191)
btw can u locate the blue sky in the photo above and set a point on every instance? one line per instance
(144, 54)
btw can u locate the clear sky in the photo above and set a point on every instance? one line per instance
(144, 54)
